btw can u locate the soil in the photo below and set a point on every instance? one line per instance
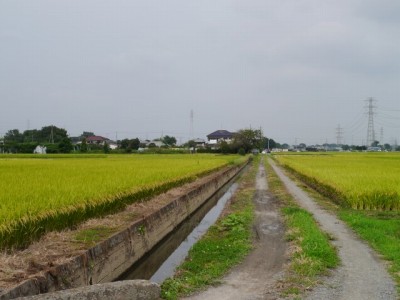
(56, 248)
(258, 276)
(361, 275)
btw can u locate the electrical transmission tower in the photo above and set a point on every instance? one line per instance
(371, 129)
(339, 135)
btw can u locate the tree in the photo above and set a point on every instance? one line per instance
(285, 146)
(13, 136)
(192, 146)
(129, 145)
(346, 147)
(247, 139)
(387, 147)
(86, 134)
(269, 143)
(224, 147)
(30, 136)
(169, 140)
(84, 146)
(375, 144)
(65, 146)
(106, 148)
(51, 134)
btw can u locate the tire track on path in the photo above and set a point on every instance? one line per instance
(256, 276)
(361, 275)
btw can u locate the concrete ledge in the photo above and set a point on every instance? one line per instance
(120, 290)
(106, 261)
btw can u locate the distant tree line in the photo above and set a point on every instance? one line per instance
(55, 139)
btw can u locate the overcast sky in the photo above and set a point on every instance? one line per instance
(296, 68)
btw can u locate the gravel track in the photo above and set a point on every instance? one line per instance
(362, 274)
(257, 275)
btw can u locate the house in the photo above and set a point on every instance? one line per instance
(200, 143)
(218, 136)
(149, 144)
(97, 140)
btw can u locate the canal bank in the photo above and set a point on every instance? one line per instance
(107, 260)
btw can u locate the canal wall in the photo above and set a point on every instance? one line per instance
(106, 261)
(120, 290)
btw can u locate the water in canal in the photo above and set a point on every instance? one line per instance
(161, 261)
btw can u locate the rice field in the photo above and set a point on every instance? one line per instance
(44, 193)
(369, 181)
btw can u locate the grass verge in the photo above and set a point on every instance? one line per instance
(311, 253)
(225, 244)
(381, 229)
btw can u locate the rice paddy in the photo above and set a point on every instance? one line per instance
(56, 192)
(369, 181)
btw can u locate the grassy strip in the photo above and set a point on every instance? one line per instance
(223, 246)
(382, 231)
(312, 254)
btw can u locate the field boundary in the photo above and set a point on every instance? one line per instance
(107, 260)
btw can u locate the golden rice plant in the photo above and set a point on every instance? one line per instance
(53, 193)
(368, 181)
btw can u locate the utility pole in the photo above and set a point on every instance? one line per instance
(191, 124)
(371, 129)
(51, 135)
(381, 137)
(339, 135)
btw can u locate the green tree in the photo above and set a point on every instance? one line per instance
(84, 146)
(106, 148)
(224, 147)
(65, 146)
(387, 147)
(375, 144)
(51, 134)
(247, 139)
(192, 146)
(135, 143)
(30, 136)
(129, 145)
(13, 136)
(169, 140)
(86, 134)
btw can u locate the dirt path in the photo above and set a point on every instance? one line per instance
(362, 274)
(257, 275)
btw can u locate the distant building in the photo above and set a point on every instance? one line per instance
(97, 140)
(40, 150)
(200, 143)
(374, 149)
(218, 136)
(150, 144)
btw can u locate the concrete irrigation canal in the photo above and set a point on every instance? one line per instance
(150, 248)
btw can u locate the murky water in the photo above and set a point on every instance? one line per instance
(161, 261)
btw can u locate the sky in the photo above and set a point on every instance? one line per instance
(301, 70)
